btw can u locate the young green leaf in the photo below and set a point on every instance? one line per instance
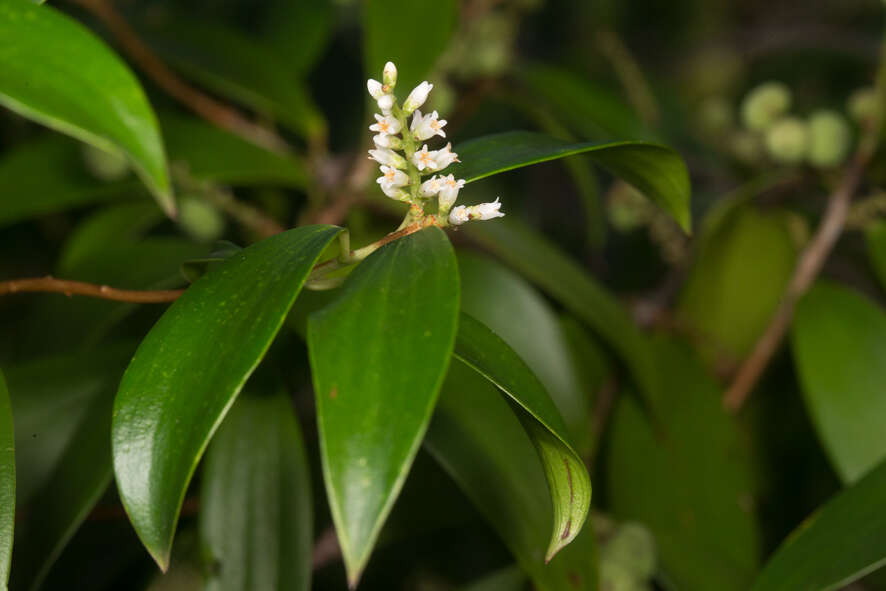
(839, 543)
(411, 34)
(56, 72)
(839, 344)
(570, 485)
(190, 367)
(478, 439)
(379, 353)
(553, 271)
(655, 170)
(7, 482)
(256, 517)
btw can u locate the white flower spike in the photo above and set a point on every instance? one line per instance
(444, 157)
(392, 177)
(388, 157)
(375, 88)
(386, 124)
(430, 187)
(459, 215)
(389, 76)
(423, 159)
(427, 126)
(417, 97)
(486, 211)
(449, 192)
(384, 140)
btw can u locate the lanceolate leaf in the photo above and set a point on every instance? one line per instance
(7, 482)
(379, 353)
(56, 72)
(255, 519)
(478, 439)
(656, 170)
(570, 486)
(837, 544)
(839, 343)
(189, 368)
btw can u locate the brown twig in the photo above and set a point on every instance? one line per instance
(70, 288)
(207, 107)
(326, 549)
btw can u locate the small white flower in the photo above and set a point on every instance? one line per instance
(459, 215)
(392, 177)
(395, 193)
(386, 103)
(388, 157)
(444, 157)
(417, 97)
(383, 140)
(449, 191)
(385, 124)
(427, 126)
(375, 88)
(389, 76)
(430, 187)
(486, 211)
(424, 159)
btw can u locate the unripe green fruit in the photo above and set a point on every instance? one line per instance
(199, 219)
(764, 104)
(862, 105)
(787, 141)
(614, 577)
(715, 115)
(107, 166)
(633, 548)
(828, 139)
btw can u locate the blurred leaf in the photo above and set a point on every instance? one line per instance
(727, 302)
(411, 34)
(46, 176)
(590, 109)
(479, 441)
(56, 72)
(509, 578)
(687, 477)
(193, 269)
(497, 297)
(190, 367)
(237, 67)
(256, 516)
(875, 238)
(553, 271)
(378, 355)
(481, 349)
(7, 482)
(212, 154)
(655, 170)
(839, 344)
(839, 543)
(299, 31)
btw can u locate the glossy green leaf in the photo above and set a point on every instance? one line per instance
(479, 440)
(423, 28)
(190, 367)
(875, 238)
(495, 295)
(47, 176)
(55, 71)
(839, 543)
(570, 485)
(839, 344)
(727, 303)
(553, 271)
(256, 517)
(7, 482)
(212, 154)
(686, 476)
(655, 170)
(379, 353)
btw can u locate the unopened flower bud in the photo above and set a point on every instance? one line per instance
(828, 139)
(417, 97)
(386, 103)
(459, 215)
(487, 211)
(388, 157)
(384, 140)
(764, 104)
(375, 89)
(788, 140)
(389, 76)
(395, 193)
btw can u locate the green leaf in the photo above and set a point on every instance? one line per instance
(256, 517)
(687, 476)
(212, 154)
(495, 295)
(56, 72)
(190, 367)
(47, 175)
(552, 270)
(570, 485)
(411, 34)
(839, 344)
(7, 482)
(727, 303)
(478, 439)
(875, 238)
(655, 170)
(379, 353)
(839, 543)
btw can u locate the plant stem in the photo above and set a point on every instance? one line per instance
(69, 288)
